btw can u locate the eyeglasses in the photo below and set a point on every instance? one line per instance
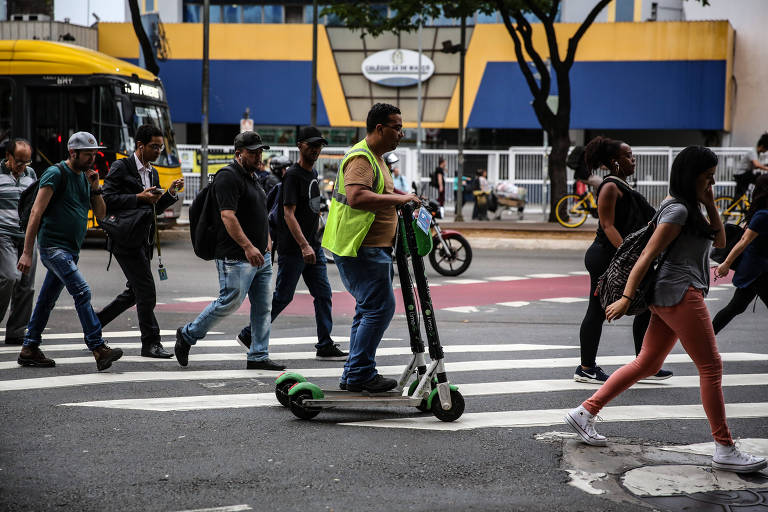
(21, 163)
(156, 147)
(398, 129)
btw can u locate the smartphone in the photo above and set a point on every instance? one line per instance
(158, 191)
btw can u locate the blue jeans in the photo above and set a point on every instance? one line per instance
(236, 280)
(289, 268)
(63, 271)
(368, 278)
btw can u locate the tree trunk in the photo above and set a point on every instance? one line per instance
(556, 166)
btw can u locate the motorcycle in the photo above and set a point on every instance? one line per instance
(451, 253)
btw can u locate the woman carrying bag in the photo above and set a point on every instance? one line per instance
(678, 308)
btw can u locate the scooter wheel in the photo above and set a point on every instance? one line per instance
(281, 392)
(423, 407)
(298, 408)
(452, 414)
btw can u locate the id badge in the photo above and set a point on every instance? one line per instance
(162, 272)
(424, 219)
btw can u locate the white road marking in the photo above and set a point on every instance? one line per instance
(506, 278)
(230, 508)
(463, 281)
(290, 356)
(711, 299)
(546, 276)
(243, 400)
(717, 288)
(547, 417)
(513, 304)
(579, 273)
(462, 309)
(195, 299)
(566, 300)
(188, 374)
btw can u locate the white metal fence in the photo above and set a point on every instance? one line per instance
(525, 166)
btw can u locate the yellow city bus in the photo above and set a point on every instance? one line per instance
(48, 91)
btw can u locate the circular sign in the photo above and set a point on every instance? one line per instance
(397, 68)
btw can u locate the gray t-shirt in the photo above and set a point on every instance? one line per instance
(687, 263)
(746, 163)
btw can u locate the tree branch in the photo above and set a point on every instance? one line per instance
(527, 74)
(573, 42)
(549, 30)
(526, 33)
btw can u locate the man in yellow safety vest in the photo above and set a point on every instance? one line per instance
(360, 232)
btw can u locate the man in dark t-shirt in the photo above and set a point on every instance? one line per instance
(242, 256)
(300, 252)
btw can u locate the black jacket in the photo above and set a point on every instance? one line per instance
(123, 183)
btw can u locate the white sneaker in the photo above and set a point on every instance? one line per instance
(729, 458)
(583, 422)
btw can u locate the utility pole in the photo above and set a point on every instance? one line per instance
(313, 106)
(460, 171)
(418, 119)
(206, 86)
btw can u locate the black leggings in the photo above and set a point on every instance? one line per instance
(596, 260)
(740, 301)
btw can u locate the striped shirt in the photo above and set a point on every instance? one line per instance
(10, 190)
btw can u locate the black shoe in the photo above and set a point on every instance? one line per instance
(33, 356)
(343, 386)
(331, 352)
(155, 350)
(378, 384)
(246, 342)
(105, 356)
(266, 364)
(181, 349)
(15, 341)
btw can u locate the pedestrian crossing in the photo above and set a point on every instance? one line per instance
(212, 361)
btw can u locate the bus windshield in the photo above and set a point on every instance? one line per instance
(144, 113)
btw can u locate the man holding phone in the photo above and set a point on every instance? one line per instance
(132, 183)
(59, 221)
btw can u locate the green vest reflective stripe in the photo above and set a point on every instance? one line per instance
(346, 227)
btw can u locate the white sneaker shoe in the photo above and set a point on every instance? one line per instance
(583, 423)
(729, 458)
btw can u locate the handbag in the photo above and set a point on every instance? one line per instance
(128, 229)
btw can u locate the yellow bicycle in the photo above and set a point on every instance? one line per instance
(572, 210)
(732, 211)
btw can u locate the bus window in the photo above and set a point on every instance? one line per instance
(5, 115)
(158, 116)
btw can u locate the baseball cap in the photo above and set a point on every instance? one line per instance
(310, 135)
(83, 140)
(249, 140)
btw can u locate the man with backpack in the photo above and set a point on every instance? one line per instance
(59, 220)
(16, 289)
(299, 202)
(131, 190)
(242, 254)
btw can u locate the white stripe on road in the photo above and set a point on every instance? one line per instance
(463, 281)
(566, 300)
(462, 309)
(547, 417)
(579, 273)
(243, 400)
(513, 304)
(291, 356)
(195, 299)
(230, 508)
(507, 278)
(182, 375)
(546, 276)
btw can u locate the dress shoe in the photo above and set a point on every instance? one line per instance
(266, 364)
(105, 356)
(33, 356)
(15, 341)
(181, 349)
(155, 350)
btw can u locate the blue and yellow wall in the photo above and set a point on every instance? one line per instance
(664, 75)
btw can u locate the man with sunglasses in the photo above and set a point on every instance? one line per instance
(133, 184)
(360, 232)
(16, 289)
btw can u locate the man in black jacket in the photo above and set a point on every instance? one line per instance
(132, 183)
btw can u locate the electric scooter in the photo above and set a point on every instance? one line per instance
(423, 386)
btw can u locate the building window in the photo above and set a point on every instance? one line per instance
(251, 14)
(215, 14)
(625, 10)
(273, 14)
(193, 13)
(294, 13)
(230, 13)
(149, 6)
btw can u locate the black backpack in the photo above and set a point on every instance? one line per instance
(610, 286)
(27, 198)
(576, 162)
(274, 204)
(205, 220)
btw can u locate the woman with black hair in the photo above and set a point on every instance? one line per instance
(678, 308)
(621, 210)
(751, 277)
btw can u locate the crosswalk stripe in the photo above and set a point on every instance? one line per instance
(545, 276)
(243, 400)
(566, 300)
(507, 278)
(181, 374)
(547, 417)
(290, 356)
(579, 273)
(513, 304)
(463, 281)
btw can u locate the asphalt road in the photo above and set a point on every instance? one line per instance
(211, 435)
